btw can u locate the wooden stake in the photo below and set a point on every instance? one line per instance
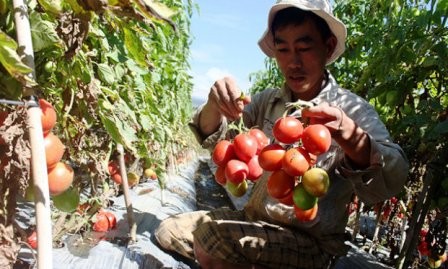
(127, 198)
(38, 164)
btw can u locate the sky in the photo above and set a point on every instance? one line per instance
(224, 42)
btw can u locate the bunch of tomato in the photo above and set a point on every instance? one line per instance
(60, 174)
(237, 160)
(291, 159)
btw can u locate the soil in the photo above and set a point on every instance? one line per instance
(209, 194)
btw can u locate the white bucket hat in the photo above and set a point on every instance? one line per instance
(322, 9)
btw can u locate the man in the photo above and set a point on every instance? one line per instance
(303, 36)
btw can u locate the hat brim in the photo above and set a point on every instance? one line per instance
(338, 28)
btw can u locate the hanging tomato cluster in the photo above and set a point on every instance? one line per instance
(295, 180)
(237, 160)
(60, 174)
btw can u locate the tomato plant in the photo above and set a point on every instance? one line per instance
(32, 240)
(255, 170)
(245, 146)
(316, 181)
(287, 129)
(302, 199)
(260, 136)
(296, 161)
(271, 157)
(316, 139)
(48, 117)
(280, 184)
(223, 152)
(60, 177)
(236, 171)
(54, 149)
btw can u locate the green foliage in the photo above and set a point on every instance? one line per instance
(116, 72)
(271, 77)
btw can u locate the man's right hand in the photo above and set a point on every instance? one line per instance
(224, 100)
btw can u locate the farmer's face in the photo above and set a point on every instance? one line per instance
(301, 54)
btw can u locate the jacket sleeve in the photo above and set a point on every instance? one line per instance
(388, 170)
(207, 142)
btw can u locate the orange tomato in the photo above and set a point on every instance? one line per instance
(60, 178)
(48, 117)
(306, 215)
(54, 150)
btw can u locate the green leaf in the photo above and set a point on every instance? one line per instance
(106, 74)
(159, 9)
(52, 6)
(135, 47)
(43, 32)
(9, 57)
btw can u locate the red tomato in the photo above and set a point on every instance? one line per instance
(287, 129)
(54, 149)
(112, 219)
(220, 175)
(223, 152)
(48, 117)
(245, 146)
(296, 161)
(236, 171)
(287, 200)
(255, 170)
(117, 178)
(306, 215)
(271, 157)
(32, 240)
(280, 184)
(60, 177)
(102, 222)
(260, 136)
(316, 139)
(114, 171)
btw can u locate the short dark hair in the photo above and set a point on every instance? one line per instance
(296, 16)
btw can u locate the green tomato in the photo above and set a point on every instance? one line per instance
(50, 67)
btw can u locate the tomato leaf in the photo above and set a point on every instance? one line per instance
(106, 74)
(9, 57)
(43, 32)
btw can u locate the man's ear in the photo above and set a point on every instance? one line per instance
(331, 43)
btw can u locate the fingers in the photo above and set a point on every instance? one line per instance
(226, 97)
(326, 114)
